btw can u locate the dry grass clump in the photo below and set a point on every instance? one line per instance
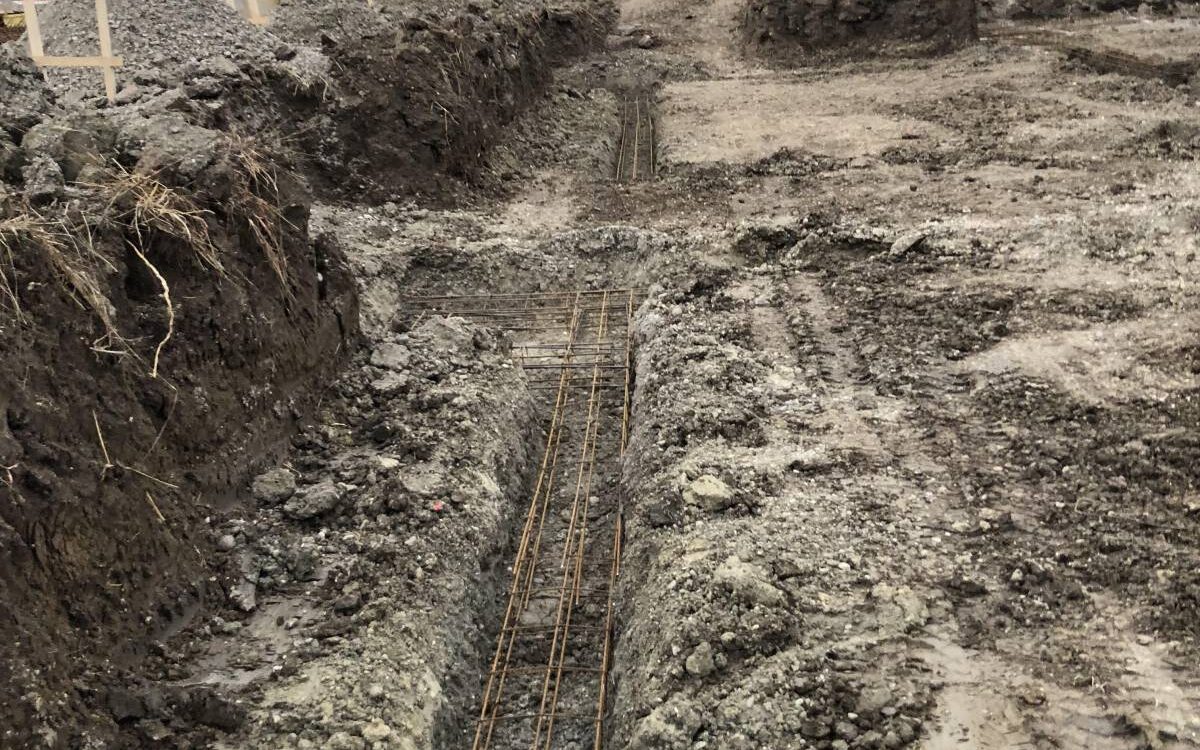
(30, 230)
(308, 82)
(147, 205)
(8, 271)
(256, 199)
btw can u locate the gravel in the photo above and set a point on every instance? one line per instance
(26, 97)
(160, 37)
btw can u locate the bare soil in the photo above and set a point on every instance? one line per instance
(911, 459)
(795, 28)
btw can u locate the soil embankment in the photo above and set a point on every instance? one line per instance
(798, 27)
(417, 92)
(164, 312)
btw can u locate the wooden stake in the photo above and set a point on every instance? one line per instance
(110, 76)
(255, 13)
(95, 61)
(106, 61)
(34, 30)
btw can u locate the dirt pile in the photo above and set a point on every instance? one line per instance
(398, 98)
(749, 539)
(791, 27)
(158, 40)
(162, 308)
(417, 92)
(1030, 9)
(26, 97)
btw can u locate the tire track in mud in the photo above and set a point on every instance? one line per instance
(984, 699)
(1002, 696)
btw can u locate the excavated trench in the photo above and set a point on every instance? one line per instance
(549, 630)
(547, 619)
(602, 488)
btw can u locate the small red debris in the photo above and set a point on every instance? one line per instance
(438, 506)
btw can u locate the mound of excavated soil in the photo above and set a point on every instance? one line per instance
(1027, 9)
(160, 36)
(417, 91)
(863, 25)
(125, 416)
(25, 93)
(401, 97)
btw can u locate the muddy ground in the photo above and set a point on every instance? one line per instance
(912, 451)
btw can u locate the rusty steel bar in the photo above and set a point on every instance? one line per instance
(564, 333)
(553, 679)
(618, 531)
(637, 135)
(504, 655)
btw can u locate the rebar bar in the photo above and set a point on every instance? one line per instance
(569, 344)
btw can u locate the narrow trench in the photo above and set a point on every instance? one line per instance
(637, 152)
(545, 683)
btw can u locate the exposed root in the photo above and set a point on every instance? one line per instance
(8, 278)
(108, 464)
(149, 206)
(154, 505)
(166, 297)
(8, 475)
(161, 430)
(151, 477)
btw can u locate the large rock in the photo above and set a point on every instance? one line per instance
(747, 582)
(167, 142)
(72, 145)
(274, 486)
(391, 356)
(709, 493)
(670, 726)
(244, 595)
(701, 662)
(448, 335)
(313, 501)
(43, 178)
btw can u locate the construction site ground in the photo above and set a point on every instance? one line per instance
(746, 406)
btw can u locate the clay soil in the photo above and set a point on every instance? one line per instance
(913, 453)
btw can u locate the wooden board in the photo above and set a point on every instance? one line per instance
(95, 61)
(105, 61)
(33, 30)
(254, 13)
(110, 75)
